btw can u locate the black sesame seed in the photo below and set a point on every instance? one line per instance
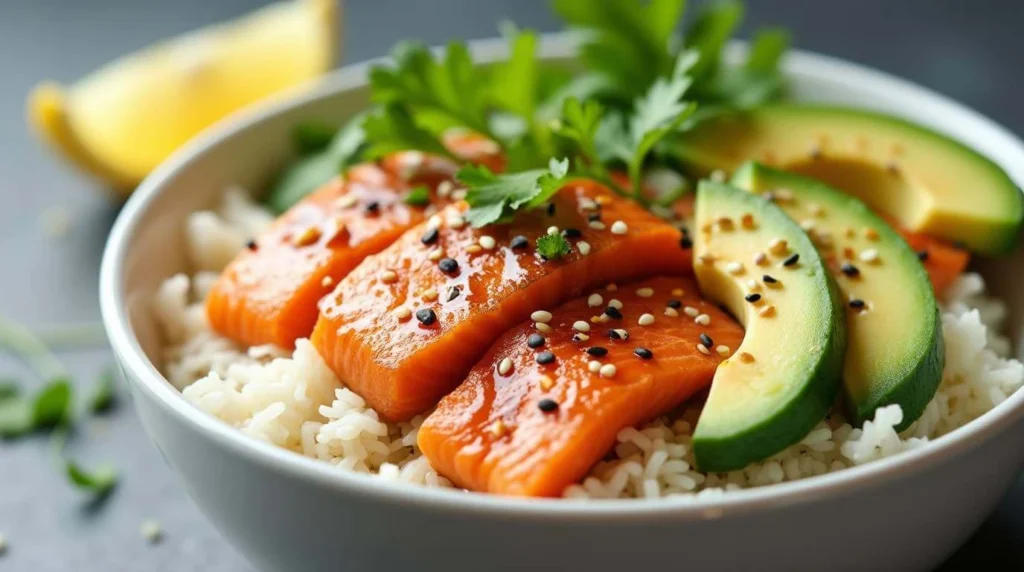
(551, 209)
(685, 242)
(448, 265)
(791, 260)
(643, 353)
(849, 269)
(768, 279)
(597, 351)
(706, 340)
(675, 304)
(922, 255)
(753, 297)
(613, 312)
(572, 233)
(372, 207)
(251, 244)
(519, 242)
(535, 341)
(594, 217)
(547, 405)
(426, 316)
(545, 358)
(857, 303)
(454, 292)
(429, 237)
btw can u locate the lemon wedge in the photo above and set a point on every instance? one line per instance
(122, 120)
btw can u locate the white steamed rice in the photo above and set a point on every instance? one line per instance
(295, 402)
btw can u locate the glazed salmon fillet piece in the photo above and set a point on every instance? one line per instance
(540, 409)
(405, 327)
(268, 294)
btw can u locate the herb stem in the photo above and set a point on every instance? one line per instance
(20, 341)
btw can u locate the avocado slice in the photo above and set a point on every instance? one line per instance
(894, 348)
(925, 181)
(785, 376)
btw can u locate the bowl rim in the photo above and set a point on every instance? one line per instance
(145, 376)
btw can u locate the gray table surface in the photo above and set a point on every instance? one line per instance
(968, 50)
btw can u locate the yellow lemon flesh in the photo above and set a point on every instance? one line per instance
(125, 118)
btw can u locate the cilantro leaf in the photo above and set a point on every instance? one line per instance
(494, 198)
(307, 174)
(15, 417)
(514, 86)
(392, 129)
(417, 196)
(453, 86)
(579, 123)
(553, 246)
(313, 136)
(103, 393)
(709, 33)
(99, 482)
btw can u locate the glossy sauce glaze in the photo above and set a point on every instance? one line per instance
(518, 426)
(405, 328)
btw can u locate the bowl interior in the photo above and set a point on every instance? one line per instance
(148, 246)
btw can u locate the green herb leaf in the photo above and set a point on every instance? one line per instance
(103, 393)
(99, 482)
(313, 136)
(9, 388)
(553, 246)
(393, 129)
(767, 49)
(52, 406)
(309, 173)
(417, 196)
(494, 198)
(514, 87)
(709, 33)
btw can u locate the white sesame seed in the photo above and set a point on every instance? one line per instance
(430, 295)
(546, 382)
(869, 255)
(459, 194)
(718, 176)
(746, 357)
(778, 246)
(543, 328)
(646, 319)
(581, 337)
(307, 236)
(766, 312)
(403, 313)
(608, 370)
(456, 222)
(487, 242)
(734, 268)
(703, 319)
(594, 366)
(587, 204)
(615, 303)
(754, 285)
(552, 230)
(723, 350)
(703, 350)
(345, 201)
(671, 312)
(151, 531)
(505, 366)
(619, 227)
(584, 247)
(645, 292)
(435, 255)
(444, 189)
(434, 221)
(498, 428)
(388, 276)
(596, 225)
(595, 300)
(474, 249)
(327, 281)
(541, 316)
(691, 311)
(783, 195)
(581, 326)
(807, 225)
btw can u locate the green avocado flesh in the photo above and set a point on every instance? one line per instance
(894, 351)
(785, 376)
(922, 179)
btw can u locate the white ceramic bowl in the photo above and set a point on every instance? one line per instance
(286, 512)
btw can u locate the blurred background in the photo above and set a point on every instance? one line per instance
(53, 223)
